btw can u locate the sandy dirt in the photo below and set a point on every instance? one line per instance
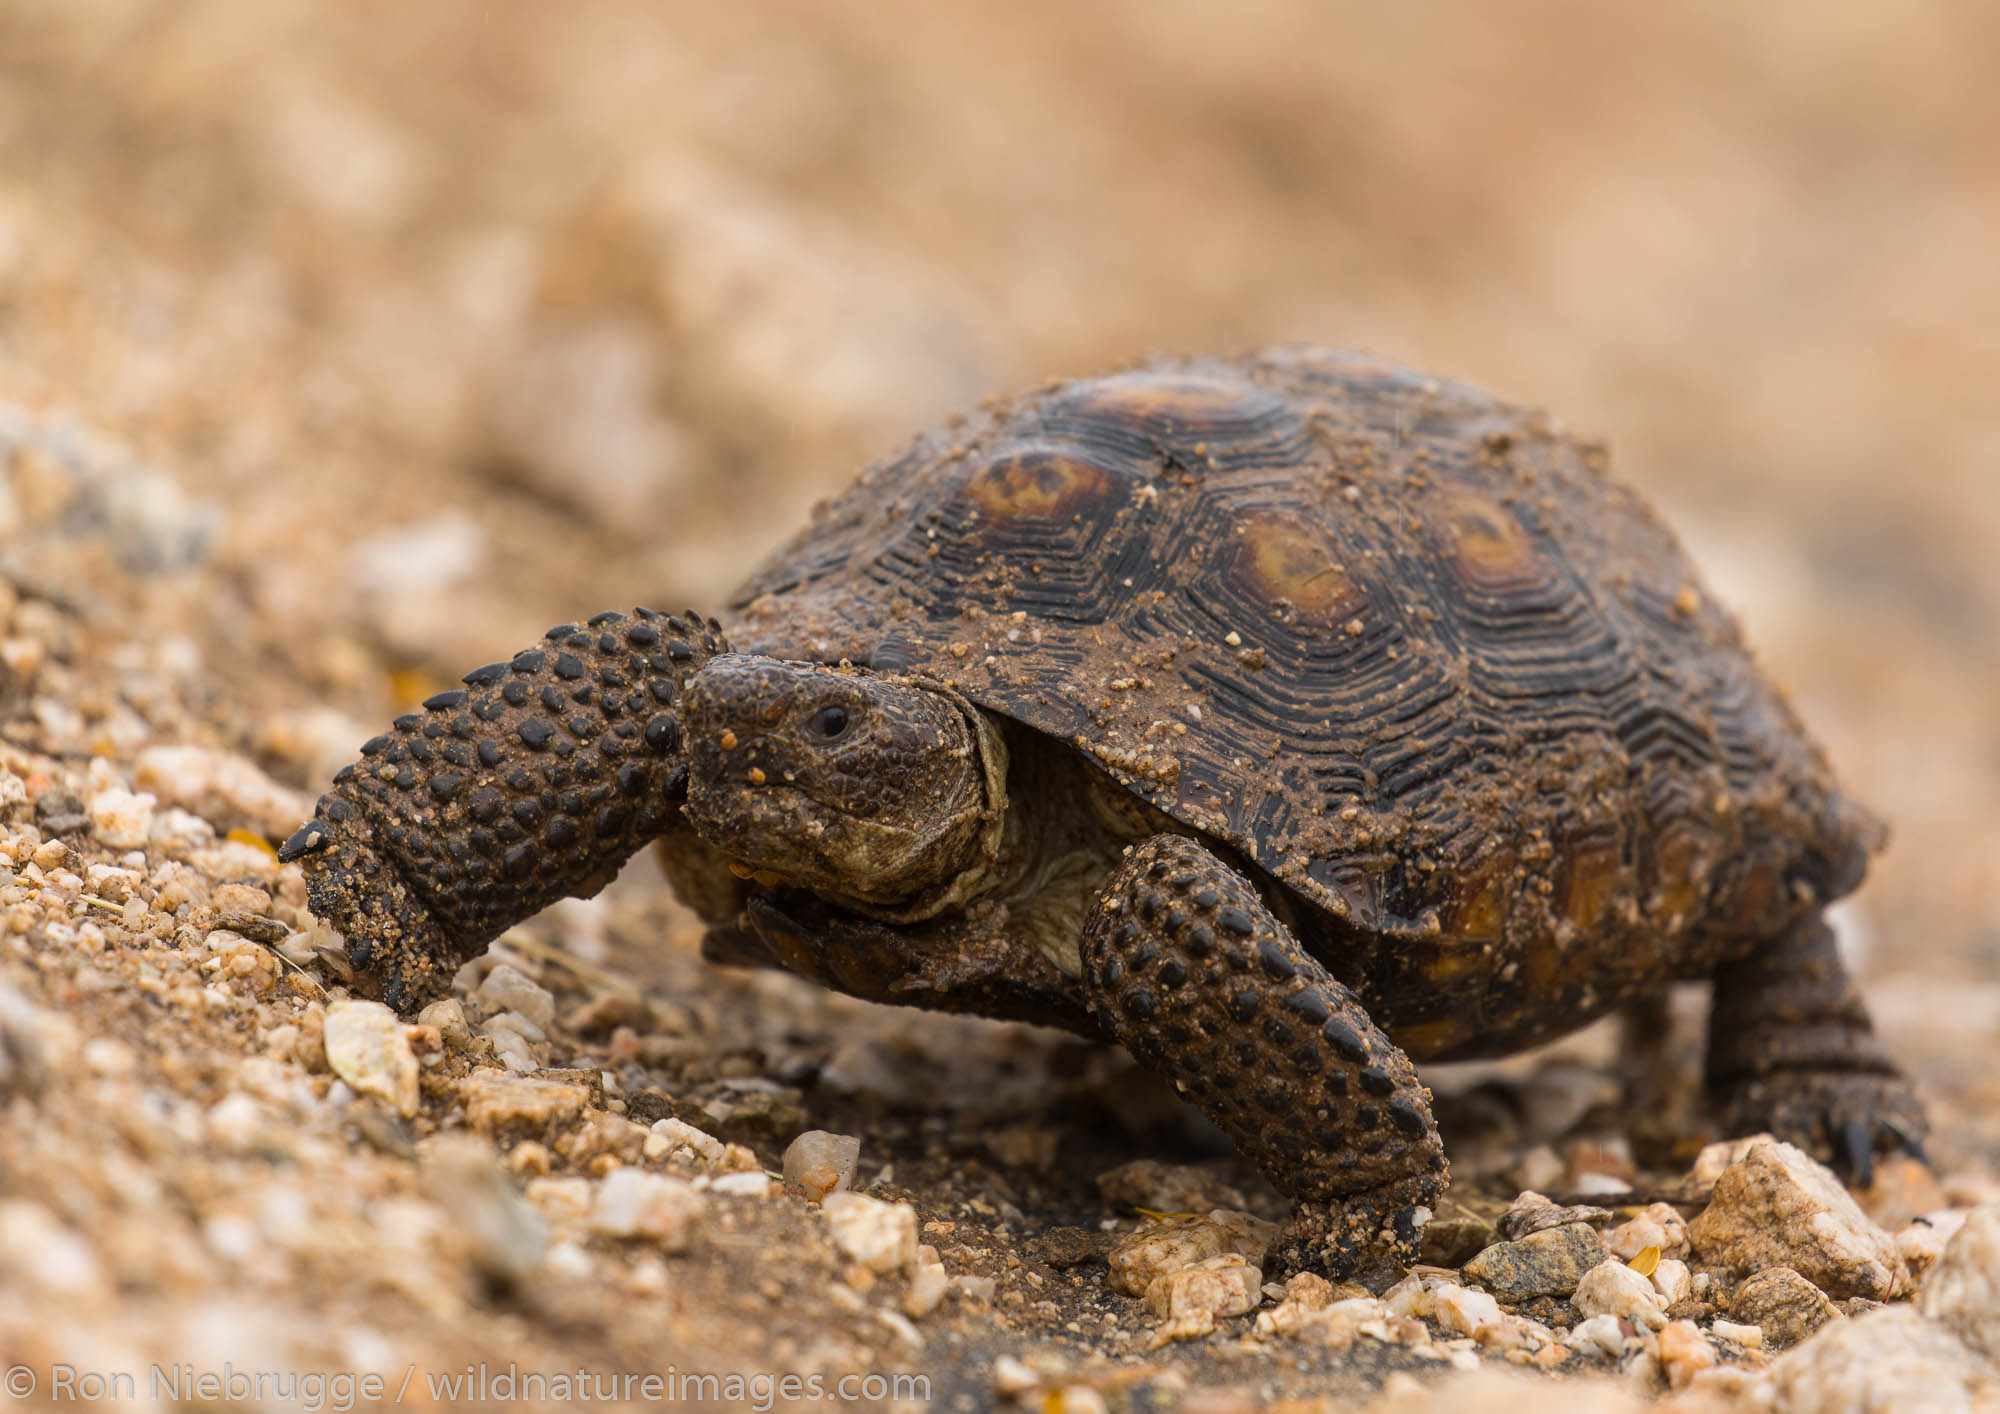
(345, 347)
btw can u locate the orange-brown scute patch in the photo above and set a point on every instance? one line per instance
(1427, 1039)
(1686, 854)
(1478, 913)
(1454, 959)
(1763, 904)
(1041, 484)
(1588, 881)
(1180, 406)
(1280, 557)
(1483, 542)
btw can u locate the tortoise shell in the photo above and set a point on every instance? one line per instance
(1405, 646)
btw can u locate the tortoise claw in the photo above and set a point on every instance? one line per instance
(1911, 1140)
(1857, 1146)
(1841, 1117)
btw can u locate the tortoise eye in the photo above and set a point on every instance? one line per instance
(828, 724)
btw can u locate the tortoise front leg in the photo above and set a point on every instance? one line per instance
(533, 782)
(1188, 970)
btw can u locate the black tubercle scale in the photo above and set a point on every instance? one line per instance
(533, 782)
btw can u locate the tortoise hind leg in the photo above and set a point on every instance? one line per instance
(1791, 1050)
(1185, 967)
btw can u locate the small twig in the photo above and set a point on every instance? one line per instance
(299, 971)
(589, 972)
(1630, 1198)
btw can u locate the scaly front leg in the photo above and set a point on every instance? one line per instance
(1185, 966)
(533, 782)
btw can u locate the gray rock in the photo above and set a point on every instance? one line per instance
(651, 1207)
(23, 1069)
(1548, 1262)
(1531, 1212)
(507, 988)
(755, 1109)
(504, 1237)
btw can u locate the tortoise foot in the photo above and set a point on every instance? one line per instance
(1845, 1118)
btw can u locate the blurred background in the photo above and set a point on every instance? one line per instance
(450, 321)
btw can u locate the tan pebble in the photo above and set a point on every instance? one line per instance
(1614, 1289)
(122, 819)
(496, 1102)
(1462, 1310)
(1192, 1299)
(1080, 1399)
(1660, 1225)
(1603, 1334)
(561, 1199)
(1919, 1245)
(1784, 1304)
(1962, 1291)
(1136, 1260)
(1012, 1377)
(1672, 1280)
(1776, 1206)
(1683, 1351)
(821, 1162)
(676, 1138)
(448, 1017)
(880, 1236)
(311, 1050)
(530, 1159)
(1749, 1337)
(928, 1284)
(366, 1047)
(632, 1203)
(1309, 1290)
(603, 1134)
(508, 989)
(241, 898)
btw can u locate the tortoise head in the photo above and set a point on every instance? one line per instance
(880, 790)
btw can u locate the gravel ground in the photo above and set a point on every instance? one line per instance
(342, 348)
